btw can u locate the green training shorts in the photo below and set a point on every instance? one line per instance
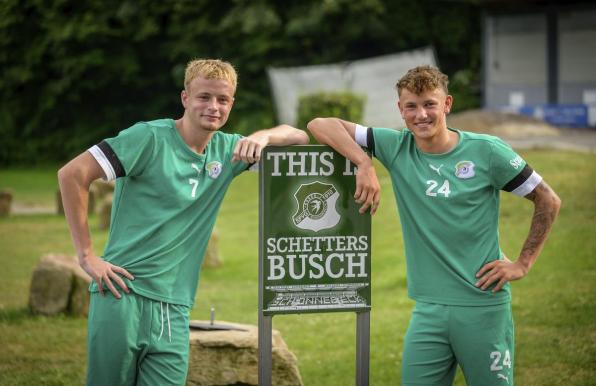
(478, 338)
(136, 341)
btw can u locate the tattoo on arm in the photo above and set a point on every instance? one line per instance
(546, 207)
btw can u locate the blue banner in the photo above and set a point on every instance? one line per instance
(572, 115)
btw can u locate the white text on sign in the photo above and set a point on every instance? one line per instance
(317, 257)
(298, 164)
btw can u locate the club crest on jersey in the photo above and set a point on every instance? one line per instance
(465, 170)
(213, 169)
(316, 206)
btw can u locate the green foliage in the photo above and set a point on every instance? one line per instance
(74, 72)
(464, 88)
(554, 306)
(345, 105)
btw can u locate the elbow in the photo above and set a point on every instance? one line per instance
(315, 127)
(291, 136)
(64, 174)
(71, 174)
(302, 137)
(550, 203)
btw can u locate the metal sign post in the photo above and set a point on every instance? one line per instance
(314, 245)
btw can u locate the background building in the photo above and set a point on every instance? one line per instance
(539, 59)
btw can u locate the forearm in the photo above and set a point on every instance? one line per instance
(546, 208)
(283, 135)
(74, 187)
(336, 133)
(340, 135)
(74, 179)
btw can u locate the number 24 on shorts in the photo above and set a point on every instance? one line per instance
(496, 364)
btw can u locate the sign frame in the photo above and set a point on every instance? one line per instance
(302, 236)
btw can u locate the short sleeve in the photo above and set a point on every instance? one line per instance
(510, 172)
(385, 144)
(127, 154)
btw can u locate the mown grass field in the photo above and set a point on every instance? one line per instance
(554, 307)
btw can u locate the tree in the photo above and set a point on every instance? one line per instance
(76, 72)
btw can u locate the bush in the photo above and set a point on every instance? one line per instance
(345, 105)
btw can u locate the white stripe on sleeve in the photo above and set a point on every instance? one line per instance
(103, 162)
(360, 135)
(528, 185)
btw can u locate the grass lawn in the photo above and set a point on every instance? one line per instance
(554, 307)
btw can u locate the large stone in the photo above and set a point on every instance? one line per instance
(5, 202)
(230, 357)
(59, 285)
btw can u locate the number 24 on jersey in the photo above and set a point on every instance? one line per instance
(433, 191)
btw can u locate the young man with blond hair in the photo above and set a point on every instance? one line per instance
(446, 183)
(171, 177)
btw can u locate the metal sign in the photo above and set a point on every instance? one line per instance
(314, 245)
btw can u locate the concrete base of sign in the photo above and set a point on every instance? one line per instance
(220, 357)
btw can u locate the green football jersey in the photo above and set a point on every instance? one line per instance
(165, 204)
(449, 210)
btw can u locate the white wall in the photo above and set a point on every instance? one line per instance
(577, 46)
(374, 78)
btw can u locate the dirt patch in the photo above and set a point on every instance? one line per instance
(501, 124)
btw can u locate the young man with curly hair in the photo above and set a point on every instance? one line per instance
(446, 183)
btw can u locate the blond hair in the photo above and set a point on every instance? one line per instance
(210, 69)
(421, 79)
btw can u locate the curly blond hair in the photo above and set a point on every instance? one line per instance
(421, 79)
(210, 69)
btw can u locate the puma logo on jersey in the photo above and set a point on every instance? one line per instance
(436, 169)
(195, 167)
(501, 376)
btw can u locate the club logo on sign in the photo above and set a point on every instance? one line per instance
(316, 206)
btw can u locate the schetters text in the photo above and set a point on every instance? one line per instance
(298, 258)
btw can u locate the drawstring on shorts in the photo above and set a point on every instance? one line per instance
(168, 318)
